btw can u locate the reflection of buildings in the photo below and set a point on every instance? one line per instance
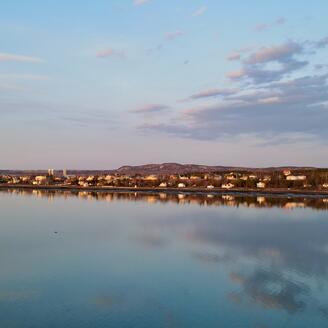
(291, 205)
(260, 199)
(202, 199)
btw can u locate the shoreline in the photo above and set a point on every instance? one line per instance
(218, 191)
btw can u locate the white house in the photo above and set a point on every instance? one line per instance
(227, 186)
(151, 177)
(40, 179)
(260, 184)
(296, 177)
(163, 185)
(210, 187)
(181, 185)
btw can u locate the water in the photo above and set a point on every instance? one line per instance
(155, 260)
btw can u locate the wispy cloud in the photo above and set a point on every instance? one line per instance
(255, 65)
(173, 35)
(278, 53)
(261, 27)
(5, 57)
(140, 2)
(24, 77)
(110, 52)
(280, 21)
(9, 87)
(236, 74)
(273, 101)
(266, 26)
(322, 43)
(155, 49)
(150, 108)
(212, 93)
(234, 56)
(200, 11)
(296, 107)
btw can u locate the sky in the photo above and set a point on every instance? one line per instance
(100, 84)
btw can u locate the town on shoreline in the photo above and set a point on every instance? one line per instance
(302, 180)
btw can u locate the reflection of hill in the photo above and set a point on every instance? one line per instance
(200, 199)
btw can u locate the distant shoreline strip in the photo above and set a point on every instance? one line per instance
(214, 191)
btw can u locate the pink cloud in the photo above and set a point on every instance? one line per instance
(151, 108)
(234, 56)
(173, 35)
(110, 52)
(200, 11)
(213, 93)
(261, 27)
(266, 54)
(19, 58)
(236, 74)
(140, 2)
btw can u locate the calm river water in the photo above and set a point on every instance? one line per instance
(80, 260)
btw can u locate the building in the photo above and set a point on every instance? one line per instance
(260, 184)
(181, 185)
(51, 172)
(210, 187)
(231, 177)
(40, 179)
(227, 186)
(151, 177)
(296, 178)
(163, 185)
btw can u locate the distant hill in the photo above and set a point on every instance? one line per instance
(170, 168)
(175, 168)
(158, 169)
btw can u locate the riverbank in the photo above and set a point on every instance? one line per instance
(219, 191)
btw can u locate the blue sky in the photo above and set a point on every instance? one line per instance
(99, 84)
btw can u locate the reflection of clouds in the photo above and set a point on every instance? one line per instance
(151, 241)
(323, 310)
(299, 245)
(210, 258)
(261, 325)
(172, 321)
(107, 302)
(273, 236)
(17, 296)
(271, 290)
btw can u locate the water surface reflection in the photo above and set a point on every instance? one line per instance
(202, 199)
(162, 260)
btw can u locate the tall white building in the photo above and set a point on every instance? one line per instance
(51, 172)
